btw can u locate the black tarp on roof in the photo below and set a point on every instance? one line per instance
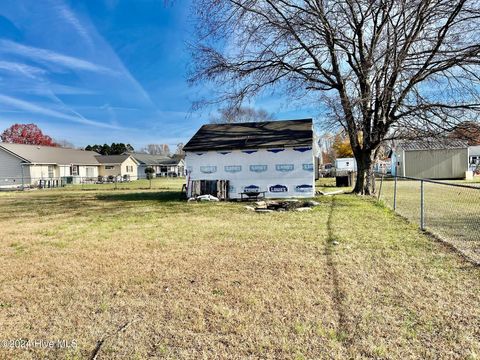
(268, 134)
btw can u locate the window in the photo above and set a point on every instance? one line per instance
(129, 168)
(74, 170)
(89, 171)
(110, 167)
(50, 171)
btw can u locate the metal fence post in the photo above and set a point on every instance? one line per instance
(422, 205)
(380, 189)
(395, 193)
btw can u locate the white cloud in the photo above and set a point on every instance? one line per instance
(29, 107)
(48, 56)
(68, 16)
(26, 70)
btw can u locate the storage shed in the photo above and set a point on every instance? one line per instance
(431, 159)
(275, 158)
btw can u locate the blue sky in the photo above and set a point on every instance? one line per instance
(103, 71)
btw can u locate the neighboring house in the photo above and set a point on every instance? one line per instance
(115, 166)
(346, 164)
(30, 164)
(275, 157)
(162, 165)
(383, 166)
(474, 158)
(431, 159)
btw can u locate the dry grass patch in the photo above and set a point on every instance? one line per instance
(347, 280)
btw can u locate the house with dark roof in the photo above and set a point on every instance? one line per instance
(162, 165)
(118, 167)
(274, 158)
(442, 158)
(33, 165)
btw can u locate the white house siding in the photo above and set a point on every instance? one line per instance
(285, 172)
(88, 172)
(10, 170)
(64, 170)
(474, 157)
(130, 168)
(38, 172)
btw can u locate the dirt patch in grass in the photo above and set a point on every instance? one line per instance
(213, 280)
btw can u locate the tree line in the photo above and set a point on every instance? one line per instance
(113, 149)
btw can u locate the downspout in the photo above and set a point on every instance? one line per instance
(23, 181)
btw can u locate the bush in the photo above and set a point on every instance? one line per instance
(149, 172)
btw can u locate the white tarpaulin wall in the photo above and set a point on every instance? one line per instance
(285, 172)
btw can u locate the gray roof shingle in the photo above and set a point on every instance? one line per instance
(268, 134)
(147, 159)
(51, 155)
(433, 144)
(112, 159)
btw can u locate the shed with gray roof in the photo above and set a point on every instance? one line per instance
(273, 159)
(439, 158)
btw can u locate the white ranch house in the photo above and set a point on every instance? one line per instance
(123, 166)
(31, 164)
(161, 165)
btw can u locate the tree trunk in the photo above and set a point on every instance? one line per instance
(365, 180)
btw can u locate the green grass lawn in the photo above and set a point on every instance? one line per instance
(328, 185)
(151, 276)
(142, 184)
(452, 213)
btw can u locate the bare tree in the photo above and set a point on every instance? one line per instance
(179, 150)
(241, 114)
(467, 130)
(156, 149)
(64, 143)
(379, 65)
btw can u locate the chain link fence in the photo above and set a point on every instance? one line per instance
(87, 183)
(451, 211)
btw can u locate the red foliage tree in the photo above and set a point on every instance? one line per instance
(26, 134)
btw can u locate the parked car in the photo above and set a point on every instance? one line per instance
(327, 170)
